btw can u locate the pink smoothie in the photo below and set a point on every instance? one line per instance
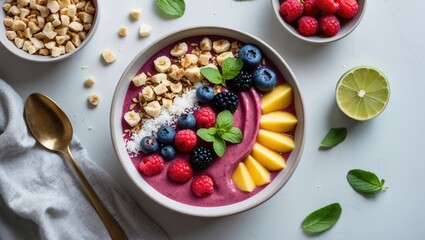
(246, 118)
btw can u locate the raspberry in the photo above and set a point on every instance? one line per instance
(291, 10)
(201, 158)
(242, 82)
(329, 25)
(205, 118)
(308, 26)
(347, 8)
(185, 140)
(202, 186)
(226, 101)
(180, 171)
(328, 6)
(310, 8)
(151, 165)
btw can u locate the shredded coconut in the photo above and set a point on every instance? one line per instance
(181, 104)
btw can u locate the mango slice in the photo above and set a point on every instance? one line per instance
(278, 121)
(259, 174)
(270, 159)
(277, 99)
(242, 178)
(275, 141)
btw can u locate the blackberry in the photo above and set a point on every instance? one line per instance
(201, 158)
(242, 82)
(226, 101)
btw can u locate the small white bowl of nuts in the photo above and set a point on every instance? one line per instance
(47, 30)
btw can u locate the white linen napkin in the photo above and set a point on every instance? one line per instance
(42, 198)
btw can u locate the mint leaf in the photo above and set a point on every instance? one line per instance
(334, 137)
(224, 120)
(212, 74)
(231, 67)
(234, 135)
(173, 8)
(364, 181)
(219, 146)
(212, 131)
(322, 219)
(203, 133)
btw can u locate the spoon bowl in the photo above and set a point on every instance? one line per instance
(51, 128)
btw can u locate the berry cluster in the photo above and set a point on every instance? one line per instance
(169, 141)
(318, 16)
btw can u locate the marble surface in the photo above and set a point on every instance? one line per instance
(390, 37)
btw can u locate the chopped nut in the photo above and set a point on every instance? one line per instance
(76, 26)
(77, 41)
(80, 5)
(89, 8)
(72, 10)
(50, 45)
(44, 11)
(204, 59)
(37, 43)
(65, 20)
(61, 31)
(64, 3)
(8, 22)
(41, 21)
(123, 31)
(108, 56)
(56, 52)
(85, 17)
(24, 12)
(14, 10)
(19, 42)
(10, 35)
(6, 7)
(56, 22)
(19, 25)
(135, 13)
(32, 49)
(69, 47)
(145, 30)
(89, 82)
(43, 52)
(26, 45)
(33, 27)
(86, 26)
(94, 100)
(27, 33)
(53, 6)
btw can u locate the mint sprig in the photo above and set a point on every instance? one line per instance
(365, 182)
(229, 70)
(222, 131)
(322, 219)
(173, 8)
(334, 137)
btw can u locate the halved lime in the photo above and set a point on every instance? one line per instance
(362, 93)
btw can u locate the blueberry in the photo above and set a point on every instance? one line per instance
(149, 145)
(187, 121)
(264, 79)
(166, 134)
(251, 56)
(205, 94)
(167, 152)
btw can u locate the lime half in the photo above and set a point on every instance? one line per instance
(362, 93)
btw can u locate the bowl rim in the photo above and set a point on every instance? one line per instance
(11, 47)
(317, 39)
(131, 171)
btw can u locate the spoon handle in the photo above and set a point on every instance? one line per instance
(112, 226)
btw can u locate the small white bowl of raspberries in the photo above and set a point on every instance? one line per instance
(319, 21)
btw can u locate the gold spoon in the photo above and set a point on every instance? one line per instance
(52, 129)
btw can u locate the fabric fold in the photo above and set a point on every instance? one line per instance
(42, 198)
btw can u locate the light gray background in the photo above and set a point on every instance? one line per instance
(390, 37)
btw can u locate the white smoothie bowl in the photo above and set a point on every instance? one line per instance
(119, 144)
